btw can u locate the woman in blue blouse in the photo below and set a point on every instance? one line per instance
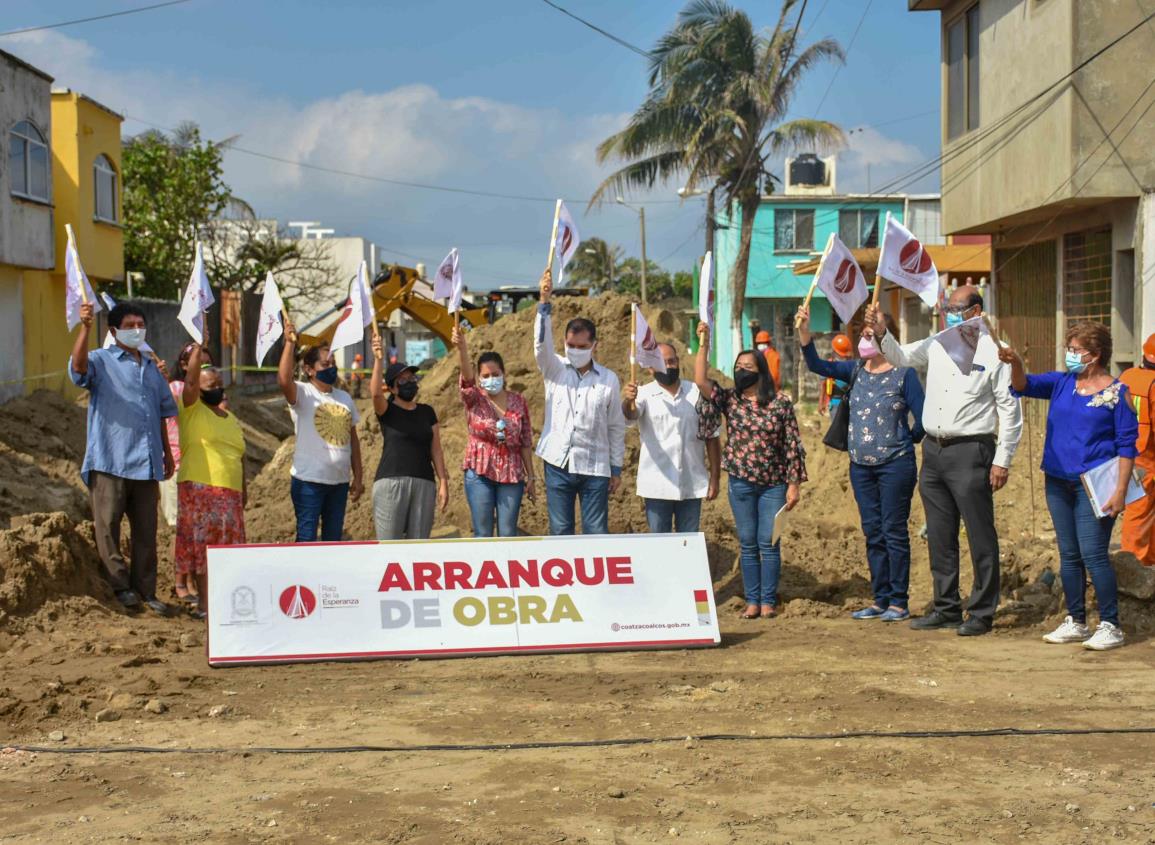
(1089, 422)
(883, 472)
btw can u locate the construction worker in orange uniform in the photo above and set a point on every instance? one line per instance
(833, 390)
(765, 344)
(1139, 518)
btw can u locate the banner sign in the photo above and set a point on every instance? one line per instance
(446, 598)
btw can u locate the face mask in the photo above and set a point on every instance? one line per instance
(132, 338)
(407, 391)
(213, 397)
(744, 379)
(668, 378)
(492, 384)
(1075, 362)
(327, 375)
(866, 348)
(953, 320)
(762, 347)
(1148, 365)
(578, 357)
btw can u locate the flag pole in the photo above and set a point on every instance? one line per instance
(877, 290)
(553, 236)
(814, 281)
(633, 343)
(72, 243)
(991, 329)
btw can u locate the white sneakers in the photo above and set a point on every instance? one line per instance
(1069, 632)
(1106, 636)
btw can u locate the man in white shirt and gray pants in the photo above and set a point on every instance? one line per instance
(963, 462)
(672, 473)
(583, 436)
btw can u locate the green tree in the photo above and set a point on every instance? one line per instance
(596, 264)
(716, 113)
(173, 187)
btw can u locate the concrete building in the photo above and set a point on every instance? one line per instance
(26, 242)
(1047, 148)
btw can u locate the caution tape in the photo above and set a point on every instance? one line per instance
(40, 377)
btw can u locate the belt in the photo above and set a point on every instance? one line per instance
(966, 438)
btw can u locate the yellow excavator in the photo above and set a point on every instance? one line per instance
(394, 288)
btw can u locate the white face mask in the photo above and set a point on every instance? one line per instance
(132, 338)
(578, 357)
(492, 384)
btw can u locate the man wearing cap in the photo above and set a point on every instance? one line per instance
(411, 474)
(833, 390)
(1139, 518)
(764, 343)
(583, 438)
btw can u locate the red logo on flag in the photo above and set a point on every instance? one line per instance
(648, 342)
(565, 238)
(913, 258)
(846, 277)
(348, 310)
(297, 601)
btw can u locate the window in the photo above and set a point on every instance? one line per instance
(104, 182)
(962, 73)
(28, 161)
(1087, 276)
(793, 229)
(858, 228)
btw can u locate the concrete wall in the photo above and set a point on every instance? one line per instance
(25, 225)
(11, 333)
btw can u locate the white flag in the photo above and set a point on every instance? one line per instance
(904, 261)
(566, 243)
(962, 341)
(358, 312)
(646, 351)
(841, 279)
(198, 298)
(269, 323)
(706, 292)
(76, 280)
(447, 276)
(458, 291)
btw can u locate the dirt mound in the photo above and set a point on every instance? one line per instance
(44, 557)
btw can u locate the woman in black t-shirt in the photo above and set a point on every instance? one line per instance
(404, 491)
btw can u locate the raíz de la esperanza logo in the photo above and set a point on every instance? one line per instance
(297, 601)
(913, 258)
(846, 277)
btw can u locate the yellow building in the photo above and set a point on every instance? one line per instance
(86, 192)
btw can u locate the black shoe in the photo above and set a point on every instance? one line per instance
(128, 598)
(934, 620)
(157, 606)
(974, 627)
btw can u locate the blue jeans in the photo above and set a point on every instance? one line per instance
(487, 497)
(1083, 539)
(663, 514)
(563, 489)
(322, 504)
(754, 507)
(883, 493)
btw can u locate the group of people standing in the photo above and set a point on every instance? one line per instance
(143, 428)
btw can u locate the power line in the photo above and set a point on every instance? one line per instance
(620, 41)
(849, 47)
(93, 18)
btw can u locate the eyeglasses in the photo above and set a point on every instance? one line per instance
(958, 309)
(1079, 352)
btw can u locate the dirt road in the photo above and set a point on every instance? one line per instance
(791, 675)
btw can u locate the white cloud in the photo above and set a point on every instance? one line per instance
(873, 159)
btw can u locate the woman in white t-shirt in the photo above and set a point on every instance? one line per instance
(327, 449)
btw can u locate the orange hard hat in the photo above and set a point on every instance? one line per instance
(841, 345)
(1149, 349)
(762, 337)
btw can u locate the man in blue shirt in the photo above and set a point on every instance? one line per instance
(127, 453)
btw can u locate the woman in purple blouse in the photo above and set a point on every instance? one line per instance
(1089, 422)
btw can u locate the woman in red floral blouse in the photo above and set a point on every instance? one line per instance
(499, 456)
(764, 459)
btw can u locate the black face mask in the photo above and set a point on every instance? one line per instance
(327, 375)
(1148, 365)
(744, 379)
(213, 397)
(407, 391)
(669, 377)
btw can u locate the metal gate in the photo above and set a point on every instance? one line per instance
(1027, 302)
(1087, 276)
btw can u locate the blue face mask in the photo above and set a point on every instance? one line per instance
(1075, 363)
(953, 320)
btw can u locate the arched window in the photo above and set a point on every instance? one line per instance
(104, 186)
(28, 161)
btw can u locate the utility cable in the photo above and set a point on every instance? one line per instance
(849, 47)
(93, 18)
(620, 41)
(586, 743)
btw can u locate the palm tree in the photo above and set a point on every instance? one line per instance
(716, 113)
(597, 264)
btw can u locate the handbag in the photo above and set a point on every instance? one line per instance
(838, 435)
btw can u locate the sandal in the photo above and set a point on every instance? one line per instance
(768, 611)
(181, 594)
(197, 613)
(751, 612)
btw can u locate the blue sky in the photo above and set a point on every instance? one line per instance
(508, 96)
